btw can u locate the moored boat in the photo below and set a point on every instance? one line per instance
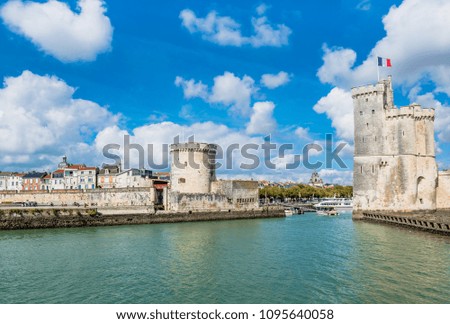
(339, 204)
(327, 211)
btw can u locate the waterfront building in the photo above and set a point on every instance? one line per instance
(73, 176)
(85, 178)
(33, 181)
(11, 181)
(133, 178)
(57, 181)
(4, 176)
(106, 177)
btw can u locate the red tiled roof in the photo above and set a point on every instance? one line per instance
(76, 166)
(87, 168)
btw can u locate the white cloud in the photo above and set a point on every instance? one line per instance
(192, 89)
(273, 81)
(262, 121)
(40, 118)
(261, 9)
(338, 106)
(302, 133)
(228, 90)
(231, 90)
(58, 31)
(414, 53)
(224, 30)
(266, 35)
(337, 63)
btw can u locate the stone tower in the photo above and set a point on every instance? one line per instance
(394, 161)
(192, 167)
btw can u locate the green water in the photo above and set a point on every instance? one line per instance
(299, 259)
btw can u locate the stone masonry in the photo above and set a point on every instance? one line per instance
(394, 161)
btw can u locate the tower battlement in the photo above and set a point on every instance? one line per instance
(414, 111)
(193, 147)
(367, 90)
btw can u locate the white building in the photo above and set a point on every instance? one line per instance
(80, 177)
(11, 181)
(133, 178)
(72, 176)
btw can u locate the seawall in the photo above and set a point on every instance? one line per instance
(142, 196)
(436, 222)
(34, 218)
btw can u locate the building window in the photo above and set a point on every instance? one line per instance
(367, 99)
(360, 113)
(373, 111)
(182, 180)
(361, 169)
(403, 133)
(373, 169)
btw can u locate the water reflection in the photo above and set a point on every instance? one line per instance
(300, 259)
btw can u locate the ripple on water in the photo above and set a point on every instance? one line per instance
(300, 259)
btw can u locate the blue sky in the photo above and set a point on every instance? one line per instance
(153, 69)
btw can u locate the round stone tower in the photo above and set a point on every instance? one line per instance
(193, 167)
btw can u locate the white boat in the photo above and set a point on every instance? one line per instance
(288, 212)
(339, 204)
(327, 211)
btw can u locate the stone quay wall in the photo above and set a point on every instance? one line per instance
(15, 219)
(96, 197)
(436, 222)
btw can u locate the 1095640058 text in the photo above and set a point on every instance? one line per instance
(302, 314)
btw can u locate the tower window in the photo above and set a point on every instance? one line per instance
(373, 111)
(361, 169)
(367, 99)
(403, 133)
(360, 113)
(367, 125)
(373, 169)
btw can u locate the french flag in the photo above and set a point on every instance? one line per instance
(384, 62)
